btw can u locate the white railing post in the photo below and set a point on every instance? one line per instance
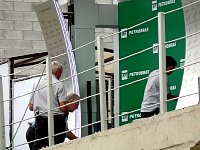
(2, 128)
(50, 102)
(162, 63)
(102, 87)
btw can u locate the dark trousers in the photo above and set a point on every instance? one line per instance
(41, 130)
(149, 114)
(30, 136)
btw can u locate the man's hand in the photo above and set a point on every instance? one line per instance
(170, 96)
(71, 135)
(30, 106)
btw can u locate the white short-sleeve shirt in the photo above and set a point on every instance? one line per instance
(39, 97)
(151, 93)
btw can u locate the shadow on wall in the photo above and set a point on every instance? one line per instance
(196, 147)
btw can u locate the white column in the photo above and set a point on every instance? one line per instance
(103, 108)
(116, 77)
(2, 128)
(50, 102)
(162, 63)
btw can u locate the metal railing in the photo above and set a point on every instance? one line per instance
(101, 66)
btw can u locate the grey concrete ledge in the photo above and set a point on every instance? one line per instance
(176, 130)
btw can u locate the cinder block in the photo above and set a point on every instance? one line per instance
(11, 15)
(13, 34)
(36, 26)
(30, 16)
(6, 5)
(34, 1)
(22, 44)
(13, 53)
(1, 34)
(13, 0)
(2, 54)
(6, 25)
(26, 52)
(39, 45)
(21, 6)
(6, 43)
(42, 37)
(2, 15)
(32, 35)
(23, 25)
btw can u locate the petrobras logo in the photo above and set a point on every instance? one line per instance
(124, 33)
(155, 48)
(124, 74)
(154, 5)
(124, 117)
(167, 46)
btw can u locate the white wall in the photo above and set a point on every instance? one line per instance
(20, 106)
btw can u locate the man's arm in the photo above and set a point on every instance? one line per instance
(63, 107)
(71, 135)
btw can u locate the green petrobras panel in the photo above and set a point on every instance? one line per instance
(142, 37)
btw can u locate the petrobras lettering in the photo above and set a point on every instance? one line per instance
(135, 116)
(138, 31)
(170, 45)
(173, 87)
(165, 3)
(156, 4)
(139, 73)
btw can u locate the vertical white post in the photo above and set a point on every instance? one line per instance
(103, 108)
(2, 128)
(109, 99)
(116, 77)
(50, 102)
(162, 63)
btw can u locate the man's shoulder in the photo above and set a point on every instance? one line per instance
(154, 74)
(155, 71)
(57, 82)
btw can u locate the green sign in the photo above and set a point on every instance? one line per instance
(143, 37)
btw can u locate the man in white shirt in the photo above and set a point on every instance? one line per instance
(38, 104)
(71, 98)
(151, 99)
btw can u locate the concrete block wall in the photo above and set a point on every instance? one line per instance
(176, 130)
(20, 32)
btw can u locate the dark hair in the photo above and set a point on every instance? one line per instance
(170, 61)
